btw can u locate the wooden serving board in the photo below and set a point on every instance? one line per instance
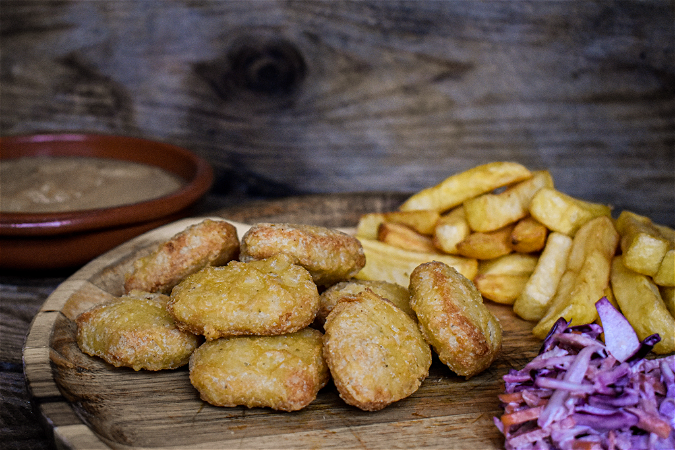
(90, 404)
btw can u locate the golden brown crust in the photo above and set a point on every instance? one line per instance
(375, 352)
(453, 318)
(393, 292)
(208, 243)
(329, 255)
(135, 331)
(280, 372)
(266, 297)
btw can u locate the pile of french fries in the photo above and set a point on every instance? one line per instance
(526, 244)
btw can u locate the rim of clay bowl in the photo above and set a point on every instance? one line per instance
(196, 172)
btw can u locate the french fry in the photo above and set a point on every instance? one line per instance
(540, 288)
(387, 263)
(643, 243)
(401, 236)
(502, 279)
(562, 213)
(490, 245)
(641, 303)
(586, 276)
(368, 225)
(458, 188)
(528, 236)
(666, 274)
(423, 220)
(489, 212)
(451, 229)
(668, 296)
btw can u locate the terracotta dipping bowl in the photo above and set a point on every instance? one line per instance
(70, 239)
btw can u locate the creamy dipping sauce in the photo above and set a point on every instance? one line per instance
(73, 183)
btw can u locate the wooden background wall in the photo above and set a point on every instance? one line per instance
(288, 97)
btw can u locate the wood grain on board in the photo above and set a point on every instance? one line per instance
(90, 404)
(287, 97)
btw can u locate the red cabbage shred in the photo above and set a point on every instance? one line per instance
(575, 395)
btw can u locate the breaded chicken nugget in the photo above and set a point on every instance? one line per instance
(135, 331)
(453, 318)
(280, 372)
(393, 292)
(375, 352)
(329, 255)
(208, 243)
(267, 297)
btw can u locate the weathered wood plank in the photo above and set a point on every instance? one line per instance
(306, 96)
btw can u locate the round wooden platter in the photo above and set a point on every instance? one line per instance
(88, 404)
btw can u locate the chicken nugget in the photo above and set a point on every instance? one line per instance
(393, 292)
(375, 352)
(135, 331)
(208, 243)
(329, 255)
(464, 333)
(267, 297)
(280, 372)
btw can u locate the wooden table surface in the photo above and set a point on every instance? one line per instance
(22, 294)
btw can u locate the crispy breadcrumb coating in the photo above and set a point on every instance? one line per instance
(393, 292)
(375, 352)
(135, 331)
(329, 255)
(453, 318)
(208, 243)
(280, 372)
(267, 297)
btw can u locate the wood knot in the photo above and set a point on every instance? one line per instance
(267, 67)
(260, 66)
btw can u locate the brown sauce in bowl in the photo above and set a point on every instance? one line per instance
(74, 183)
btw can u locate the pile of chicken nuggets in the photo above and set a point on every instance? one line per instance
(269, 320)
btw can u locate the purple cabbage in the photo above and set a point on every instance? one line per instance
(581, 393)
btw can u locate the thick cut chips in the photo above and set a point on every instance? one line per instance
(488, 245)
(585, 278)
(542, 285)
(451, 229)
(640, 301)
(456, 189)
(489, 212)
(502, 279)
(562, 213)
(402, 236)
(643, 243)
(389, 263)
(528, 236)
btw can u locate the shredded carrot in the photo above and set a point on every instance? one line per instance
(521, 416)
(515, 397)
(585, 445)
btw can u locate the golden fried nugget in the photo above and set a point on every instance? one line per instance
(208, 243)
(267, 297)
(329, 255)
(393, 292)
(280, 372)
(453, 318)
(135, 331)
(375, 352)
